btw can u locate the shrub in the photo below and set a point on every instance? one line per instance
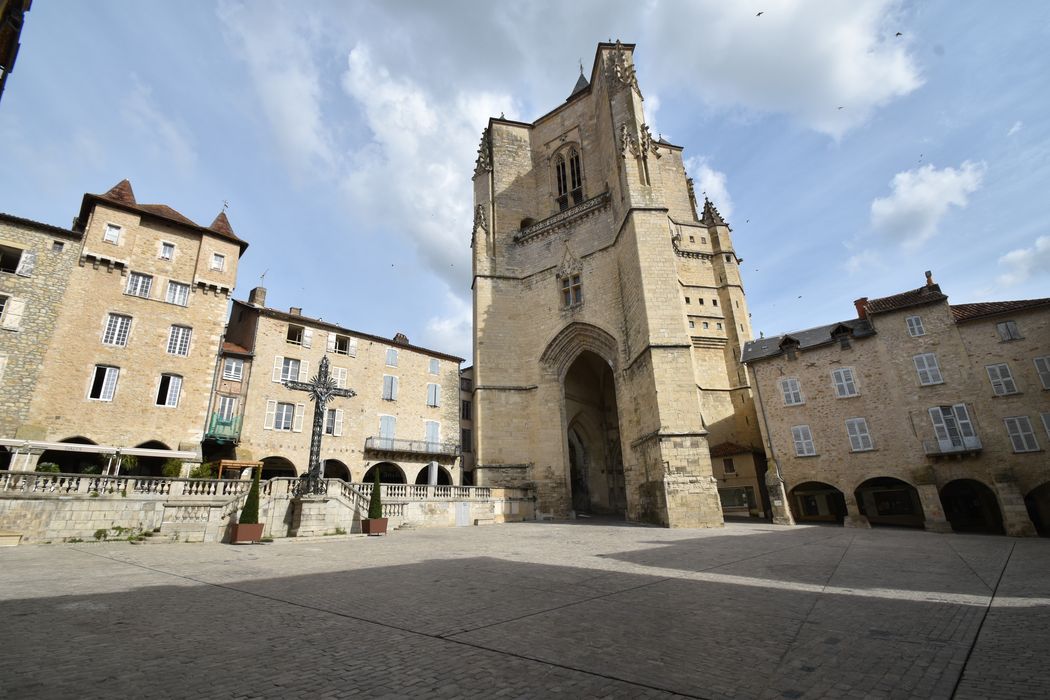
(48, 468)
(129, 464)
(101, 533)
(250, 512)
(375, 501)
(172, 468)
(204, 471)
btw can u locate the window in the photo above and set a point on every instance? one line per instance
(233, 369)
(178, 293)
(575, 176)
(803, 439)
(692, 239)
(727, 466)
(953, 427)
(389, 388)
(859, 437)
(465, 384)
(11, 311)
(339, 376)
(227, 407)
(714, 302)
(435, 366)
(284, 416)
(387, 427)
(571, 291)
(57, 246)
(432, 395)
(563, 187)
(342, 345)
(729, 258)
(179, 340)
(139, 285)
(104, 383)
(167, 250)
(288, 369)
(843, 381)
(391, 357)
(705, 325)
(464, 410)
(926, 366)
(1002, 380)
(687, 300)
(433, 432)
(692, 324)
(1008, 330)
(14, 260)
(1044, 416)
(1019, 428)
(700, 302)
(295, 334)
(333, 422)
(915, 328)
(111, 234)
(168, 391)
(117, 328)
(1042, 368)
(792, 391)
(718, 326)
(218, 261)
(465, 440)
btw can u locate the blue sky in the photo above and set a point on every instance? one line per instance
(343, 136)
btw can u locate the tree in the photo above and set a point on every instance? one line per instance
(250, 512)
(375, 501)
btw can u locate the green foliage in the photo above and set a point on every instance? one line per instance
(172, 468)
(101, 534)
(129, 464)
(48, 468)
(73, 540)
(208, 470)
(93, 494)
(375, 501)
(250, 512)
(90, 468)
(340, 531)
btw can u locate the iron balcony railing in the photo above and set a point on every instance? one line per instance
(224, 428)
(382, 444)
(946, 447)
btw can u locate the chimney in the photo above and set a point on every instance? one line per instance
(929, 278)
(862, 307)
(257, 297)
(296, 311)
(401, 339)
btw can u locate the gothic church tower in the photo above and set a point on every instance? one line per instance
(608, 314)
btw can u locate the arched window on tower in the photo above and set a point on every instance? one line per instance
(563, 188)
(575, 176)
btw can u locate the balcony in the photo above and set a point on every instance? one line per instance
(422, 447)
(962, 447)
(224, 429)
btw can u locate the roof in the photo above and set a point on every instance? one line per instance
(581, 84)
(325, 325)
(37, 224)
(970, 312)
(229, 348)
(926, 294)
(724, 449)
(123, 197)
(711, 217)
(762, 348)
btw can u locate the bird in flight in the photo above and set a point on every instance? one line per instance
(759, 14)
(841, 107)
(899, 34)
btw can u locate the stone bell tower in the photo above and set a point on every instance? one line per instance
(588, 371)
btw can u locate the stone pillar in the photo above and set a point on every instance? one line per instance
(778, 500)
(932, 509)
(853, 516)
(1011, 501)
(25, 461)
(309, 516)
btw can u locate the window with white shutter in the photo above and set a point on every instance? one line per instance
(308, 337)
(843, 381)
(433, 433)
(1002, 380)
(233, 369)
(178, 293)
(1008, 330)
(103, 383)
(339, 376)
(859, 437)
(391, 357)
(329, 421)
(387, 427)
(284, 415)
(139, 285)
(117, 328)
(432, 395)
(111, 234)
(1045, 416)
(179, 340)
(928, 369)
(168, 390)
(286, 369)
(953, 427)
(1042, 368)
(435, 366)
(792, 391)
(11, 311)
(803, 440)
(167, 250)
(915, 328)
(227, 408)
(271, 415)
(389, 387)
(300, 412)
(1019, 428)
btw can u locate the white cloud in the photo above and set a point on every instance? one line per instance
(1025, 263)
(165, 138)
(920, 199)
(712, 184)
(452, 332)
(805, 59)
(1015, 128)
(864, 261)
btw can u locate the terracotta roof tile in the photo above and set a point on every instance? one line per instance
(968, 312)
(165, 211)
(927, 294)
(222, 225)
(235, 349)
(121, 192)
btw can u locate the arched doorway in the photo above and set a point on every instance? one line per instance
(443, 477)
(75, 462)
(817, 502)
(888, 501)
(1038, 503)
(970, 506)
(334, 469)
(146, 466)
(389, 473)
(595, 469)
(5, 458)
(277, 468)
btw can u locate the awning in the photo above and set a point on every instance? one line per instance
(27, 445)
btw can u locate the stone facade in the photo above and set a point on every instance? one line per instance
(466, 424)
(608, 315)
(867, 429)
(274, 421)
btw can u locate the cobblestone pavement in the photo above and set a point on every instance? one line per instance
(536, 610)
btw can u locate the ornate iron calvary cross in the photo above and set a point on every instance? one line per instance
(322, 389)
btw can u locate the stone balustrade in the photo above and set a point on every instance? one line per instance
(42, 483)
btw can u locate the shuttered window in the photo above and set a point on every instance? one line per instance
(859, 437)
(929, 371)
(843, 381)
(792, 391)
(1002, 380)
(1042, 368)
(333, 424)
(915, 328)
(389, 387)
(803, 440)
(1019, 428)
(432, 394)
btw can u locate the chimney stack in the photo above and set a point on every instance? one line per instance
(862, 307)
(929, 278)
(257, 297)
(296, 311)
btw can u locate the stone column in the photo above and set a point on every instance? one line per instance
(853, 516)
(778, 500)
(1011, 501)
(932, 510)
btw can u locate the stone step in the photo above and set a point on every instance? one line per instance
(9, 538)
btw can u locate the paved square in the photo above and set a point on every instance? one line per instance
(576, 610)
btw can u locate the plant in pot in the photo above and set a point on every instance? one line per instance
(376, 523)
(248, 527)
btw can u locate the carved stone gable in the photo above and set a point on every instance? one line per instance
(483, 164)
(619, 69)
(570, 264)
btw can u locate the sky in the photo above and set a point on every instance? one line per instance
(850, 145)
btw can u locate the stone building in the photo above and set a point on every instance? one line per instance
(403, 421)
(608, 316)
(466, 424)
(132, 342)
(915, 413)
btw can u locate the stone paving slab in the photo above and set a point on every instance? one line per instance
(534, 610)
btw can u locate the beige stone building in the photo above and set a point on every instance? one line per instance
(915, 413)
(404, 419)
(466, 424)
(609, 314)
(132, 339)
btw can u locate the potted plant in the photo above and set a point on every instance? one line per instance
(248, 527)
(375, 524)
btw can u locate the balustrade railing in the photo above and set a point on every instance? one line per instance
(951, 447)
(384, 444)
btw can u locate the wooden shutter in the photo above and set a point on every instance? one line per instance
(13, 314)
(330, 342)
(174, 390)
(297, 420)
(26, 263)
(338, 422)
(304, 371)
(308, 337)
(278, 365)
(351, 349)
(3, 366)
(271, 412)
(1042, 368)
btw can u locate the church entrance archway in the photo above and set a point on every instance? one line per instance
(817, 502)
(888, 501)
(595, 469)
(1038, 503)
(389, 473)
(277, 468)
(443, 477)
(970, 506)
(334, 469)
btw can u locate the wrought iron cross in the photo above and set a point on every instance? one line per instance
(321, 389)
